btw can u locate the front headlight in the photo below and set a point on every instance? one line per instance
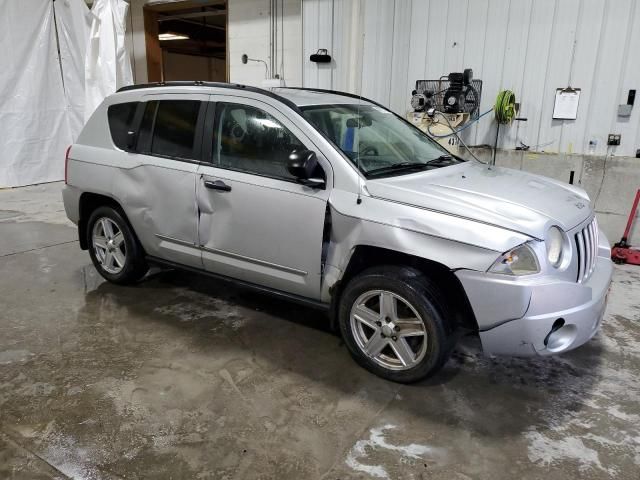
(554, 243)
(521, 260)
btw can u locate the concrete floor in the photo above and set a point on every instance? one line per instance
(183, 377)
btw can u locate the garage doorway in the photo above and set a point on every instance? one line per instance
(187, 41)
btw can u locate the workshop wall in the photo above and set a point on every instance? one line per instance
(250, 33)
(381, 47)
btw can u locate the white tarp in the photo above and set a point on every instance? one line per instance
(34, 131)
(45, 94)
(107, 64)
(73, 20)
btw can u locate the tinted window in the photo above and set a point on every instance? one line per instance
(174, 131)
(146, 127)
(120, 120)
(251, 140)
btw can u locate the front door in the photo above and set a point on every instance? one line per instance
(257, 223)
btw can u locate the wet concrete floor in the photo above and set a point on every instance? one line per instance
(185, 377)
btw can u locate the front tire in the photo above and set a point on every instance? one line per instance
(114, 248)
(395, 323)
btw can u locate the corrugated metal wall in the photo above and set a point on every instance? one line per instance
(381, 47)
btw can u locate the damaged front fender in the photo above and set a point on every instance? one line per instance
(455, 242)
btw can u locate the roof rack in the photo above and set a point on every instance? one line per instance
(199, 83)
(336, 92)
(182, 83)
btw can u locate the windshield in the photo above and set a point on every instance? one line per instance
(377, 141)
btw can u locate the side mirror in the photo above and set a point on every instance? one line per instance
(303, 164)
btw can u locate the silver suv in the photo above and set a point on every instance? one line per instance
(332, 200)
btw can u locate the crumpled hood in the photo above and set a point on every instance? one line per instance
(511, 199)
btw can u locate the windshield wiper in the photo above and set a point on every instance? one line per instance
(441, 158)
(398, 167)
(409, 165)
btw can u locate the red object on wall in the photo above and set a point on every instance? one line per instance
(622, 251)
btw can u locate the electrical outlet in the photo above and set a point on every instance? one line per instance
(614, 139)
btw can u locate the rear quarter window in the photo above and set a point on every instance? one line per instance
(120, 118)
(174, 132)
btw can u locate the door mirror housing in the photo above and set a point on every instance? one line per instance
(302, 165)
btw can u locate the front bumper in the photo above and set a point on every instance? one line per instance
(517, 318)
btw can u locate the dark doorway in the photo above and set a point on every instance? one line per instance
(187, 41)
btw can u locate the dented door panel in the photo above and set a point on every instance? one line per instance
(263, 230)
(159, 195)
(159, 191)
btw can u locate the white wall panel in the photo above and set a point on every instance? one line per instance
(557, 70)
(631, 129)
(400, 55)
(417, 43)
(515, 56)
(532, 94)
(492, 63)
(611, 59)
(249, 32)
(379, 18)
(523, 45)
(342, 32)
(574, 136)
(475, 39)
(436, 38)
(456, 32)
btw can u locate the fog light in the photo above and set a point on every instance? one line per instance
(560, 336)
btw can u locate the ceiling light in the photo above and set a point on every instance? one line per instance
(172, 36)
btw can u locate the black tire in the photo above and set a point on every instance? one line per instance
(424, 297)
(135, 266)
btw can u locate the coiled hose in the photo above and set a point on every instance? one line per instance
(505, 107)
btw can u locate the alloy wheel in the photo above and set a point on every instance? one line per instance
(388, 329)
(109, 246)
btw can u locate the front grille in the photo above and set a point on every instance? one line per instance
(587, 245)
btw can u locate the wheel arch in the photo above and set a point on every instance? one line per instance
(87, 204)
(366, 256)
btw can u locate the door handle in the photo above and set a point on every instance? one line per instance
(217, 185)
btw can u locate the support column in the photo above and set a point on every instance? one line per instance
(153, 50)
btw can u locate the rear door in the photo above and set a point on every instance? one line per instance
(159, 193)
(257, 223)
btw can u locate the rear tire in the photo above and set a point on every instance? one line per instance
(394, 322)
(114, 248)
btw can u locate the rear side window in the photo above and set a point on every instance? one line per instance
(120, 120)
(146, 127)
(174, 130)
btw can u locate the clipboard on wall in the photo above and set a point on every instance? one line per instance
(566, 103)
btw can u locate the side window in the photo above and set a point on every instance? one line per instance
(250, 140)
(120, 119)
(146, 127)
(174, 130)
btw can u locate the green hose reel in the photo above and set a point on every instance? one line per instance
(505, 107)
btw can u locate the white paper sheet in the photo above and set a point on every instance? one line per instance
(566, 104)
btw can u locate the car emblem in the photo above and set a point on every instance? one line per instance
(580, 205)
